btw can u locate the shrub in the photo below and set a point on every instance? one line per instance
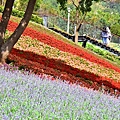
(20, 14)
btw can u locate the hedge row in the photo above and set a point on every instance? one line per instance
(20, 14)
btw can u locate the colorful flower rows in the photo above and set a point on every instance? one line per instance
(28, 44)
(41, 64)
(63, 46)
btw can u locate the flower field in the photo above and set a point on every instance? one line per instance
(69, 82)
(43, 53)
(25, 96)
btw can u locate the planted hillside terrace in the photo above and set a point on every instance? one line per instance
(40, 53)
(86, 39)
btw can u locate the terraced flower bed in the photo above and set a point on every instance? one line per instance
(43, 53)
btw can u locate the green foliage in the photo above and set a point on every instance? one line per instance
(105, 14)
(1, 8)
(37, 5)
(21, 5)
(36, 19)
(50, 7)
(62, 3)
(115, 29)
(103, 53)
(101, 14)
(20, 14)
(17, 13)
(85, 5)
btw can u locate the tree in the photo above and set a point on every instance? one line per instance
(81, 7)
(21, 5)
(49, 7)
(7, 45)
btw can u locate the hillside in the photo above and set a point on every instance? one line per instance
(42, 51)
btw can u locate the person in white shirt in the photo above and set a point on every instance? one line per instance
(106, 36)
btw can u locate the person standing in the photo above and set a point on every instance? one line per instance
(106, 36)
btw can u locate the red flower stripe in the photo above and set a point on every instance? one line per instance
(55, 68)
(47, 39)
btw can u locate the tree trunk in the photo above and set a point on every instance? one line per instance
(11, 41)
(76, 37)
(78, 25)
(5, 19)
(77, 32)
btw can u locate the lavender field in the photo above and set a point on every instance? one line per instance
(25, 96)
